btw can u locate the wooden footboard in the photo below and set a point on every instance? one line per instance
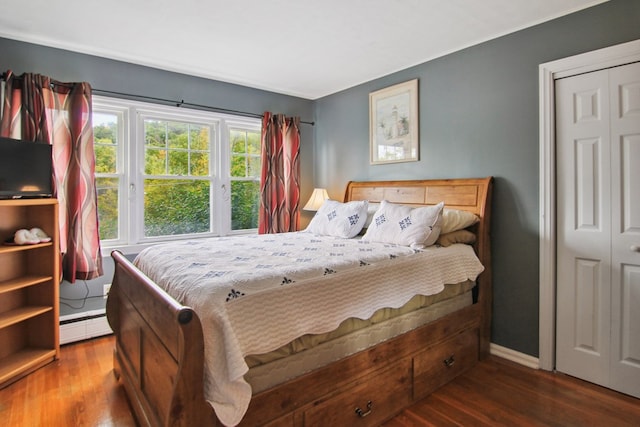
(159, 347)
(159, 354)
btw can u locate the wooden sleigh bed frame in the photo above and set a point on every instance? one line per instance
(159, 351)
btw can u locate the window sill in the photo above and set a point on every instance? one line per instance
(134, 249)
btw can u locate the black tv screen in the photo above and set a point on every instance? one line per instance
(25, 169)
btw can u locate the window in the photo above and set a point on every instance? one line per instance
(245, 178)
(176, 178)
(108, 127)
(165, 172)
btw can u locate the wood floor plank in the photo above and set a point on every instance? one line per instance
(521, 403)
(500, 393)
(448, 411)
(80, 390)
(472, 402)
(411, 419)
(504, 405)
(558, 399)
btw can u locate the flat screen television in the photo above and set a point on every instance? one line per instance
(25, 169)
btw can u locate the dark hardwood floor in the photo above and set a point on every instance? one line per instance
(497, 392)
(80, 390)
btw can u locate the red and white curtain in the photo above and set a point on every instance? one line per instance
(280, 179)
(37, 108)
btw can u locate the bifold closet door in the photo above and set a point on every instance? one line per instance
(598, 227)
(625, 228)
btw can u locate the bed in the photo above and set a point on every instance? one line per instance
(164, 349)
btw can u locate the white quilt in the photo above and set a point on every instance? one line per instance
(255, 293)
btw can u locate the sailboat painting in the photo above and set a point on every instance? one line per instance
(393, 123)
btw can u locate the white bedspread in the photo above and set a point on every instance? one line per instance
(299, 283)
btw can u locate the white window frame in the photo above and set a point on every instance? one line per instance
(122, 166)
(234, 123)
(130, 165)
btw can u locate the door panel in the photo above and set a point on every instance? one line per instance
(625, 260)
(587, 313)
(584, 227)
(630, 316)
(587, 176)
(630, 175)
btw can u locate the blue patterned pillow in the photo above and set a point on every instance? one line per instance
(404, 225)
(339, 219)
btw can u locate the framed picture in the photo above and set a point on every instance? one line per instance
(393, 123)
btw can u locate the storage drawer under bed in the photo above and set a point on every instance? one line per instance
(367, 404)
(441, 363)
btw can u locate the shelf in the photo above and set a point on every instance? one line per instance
(20, 314)
(18, 248)
(29, 202)
(22, 282)
(24, 361)
(29, 294)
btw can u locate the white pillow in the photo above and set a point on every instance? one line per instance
(371, 211)
(454, 219)
(339, 219)
(404, 225)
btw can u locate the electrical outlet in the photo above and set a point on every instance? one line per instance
(105, 290)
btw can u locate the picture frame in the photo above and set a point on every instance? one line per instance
(393, 124)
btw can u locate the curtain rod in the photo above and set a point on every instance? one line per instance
(182, 103)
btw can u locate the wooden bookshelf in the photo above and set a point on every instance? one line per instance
(29, 289)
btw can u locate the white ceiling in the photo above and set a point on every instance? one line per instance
(296, 47)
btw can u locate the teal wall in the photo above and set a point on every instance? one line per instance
(478, 117)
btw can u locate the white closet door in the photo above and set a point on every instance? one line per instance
(583, 226)
(625, 242)
(598, 227)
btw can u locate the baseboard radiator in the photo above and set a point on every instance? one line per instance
(83, 326)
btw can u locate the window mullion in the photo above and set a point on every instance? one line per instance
(136, 171)
(222, 198)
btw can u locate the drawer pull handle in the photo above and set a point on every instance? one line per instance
(449, 361)
(362, 413)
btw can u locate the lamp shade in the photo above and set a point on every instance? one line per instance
(316, 200)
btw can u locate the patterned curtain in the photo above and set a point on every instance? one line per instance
(280, 178)
(36, 108)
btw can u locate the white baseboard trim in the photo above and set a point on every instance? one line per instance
(83, 326)
(514, 356)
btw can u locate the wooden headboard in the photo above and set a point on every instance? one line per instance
(465, 194)
(469, 194)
